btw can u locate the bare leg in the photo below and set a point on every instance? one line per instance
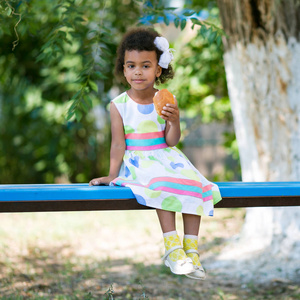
(166, 220)
(191, 224)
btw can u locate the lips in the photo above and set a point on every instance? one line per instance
(138, 80)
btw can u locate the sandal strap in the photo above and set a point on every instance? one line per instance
(170, 251)
(192, 251)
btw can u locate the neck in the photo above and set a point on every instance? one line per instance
(143, 97)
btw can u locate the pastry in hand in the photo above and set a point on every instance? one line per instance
(161, 98)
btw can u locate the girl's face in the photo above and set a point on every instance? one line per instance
(141, 69)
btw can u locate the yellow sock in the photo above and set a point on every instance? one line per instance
(171, 239)
(191, 242)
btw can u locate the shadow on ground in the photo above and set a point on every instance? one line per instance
(57, 273)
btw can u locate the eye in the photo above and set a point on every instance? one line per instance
(146, 66)
(130, 66)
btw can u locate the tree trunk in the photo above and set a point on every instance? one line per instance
(262, 63)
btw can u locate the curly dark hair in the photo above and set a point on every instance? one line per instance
(140, 39)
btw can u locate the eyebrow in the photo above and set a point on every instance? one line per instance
(143, 62)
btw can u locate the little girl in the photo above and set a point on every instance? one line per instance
(143, 155)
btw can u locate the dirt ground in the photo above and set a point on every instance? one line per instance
(117, 255)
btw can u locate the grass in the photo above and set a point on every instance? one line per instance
(113, 255)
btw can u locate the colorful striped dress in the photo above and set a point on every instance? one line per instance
(159, 176)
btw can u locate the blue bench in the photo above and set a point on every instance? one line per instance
(81, 197)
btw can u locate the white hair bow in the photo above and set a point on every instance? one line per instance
(163, 45)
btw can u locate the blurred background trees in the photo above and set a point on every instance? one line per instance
(56, 84)
(38, 78)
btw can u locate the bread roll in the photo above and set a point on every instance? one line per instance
(161, 98)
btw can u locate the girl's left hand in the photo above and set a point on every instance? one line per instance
(170, 112)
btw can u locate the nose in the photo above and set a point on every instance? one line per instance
(138, 71)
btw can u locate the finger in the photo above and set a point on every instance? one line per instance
(170, 113)
(174, 106)
(94, 182)
(165, 113)
(169, 108)
(171, 105)
(173, 109)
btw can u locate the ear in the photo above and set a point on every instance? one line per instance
(158, 71)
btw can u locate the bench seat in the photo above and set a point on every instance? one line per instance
(81, 197)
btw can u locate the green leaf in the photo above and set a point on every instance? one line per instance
(212, 36)
(189, 13)
(79, 19)
(78, 115)
(196, 21)
(84, 106)
(93, 31)
(9, 11)
(166, 20)
(46, 45)
(161, 4)
(70, 115)
(176, 22)
(93, 86)
(40, 57)
(219, 41)
(209, 32)
(88, 101)
(183, 24)
(76, 95)
(100, 75)
(203, 30)
(62, 34)
(105, 51)
(73, 106)
(171, 8)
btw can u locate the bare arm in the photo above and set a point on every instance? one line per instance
(117, 149)
(170, 114)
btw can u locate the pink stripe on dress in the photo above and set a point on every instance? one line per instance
(208, 198)
(179, 181)
(207, 188)
(145, 148)
(144, 136)
(170, 190)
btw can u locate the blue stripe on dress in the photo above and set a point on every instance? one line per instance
(145, 142)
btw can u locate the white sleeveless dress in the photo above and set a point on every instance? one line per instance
(159, 176)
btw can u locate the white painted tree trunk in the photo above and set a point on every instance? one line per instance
(264, 88)
(262, 62)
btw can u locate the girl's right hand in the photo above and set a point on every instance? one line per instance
(101, 180)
